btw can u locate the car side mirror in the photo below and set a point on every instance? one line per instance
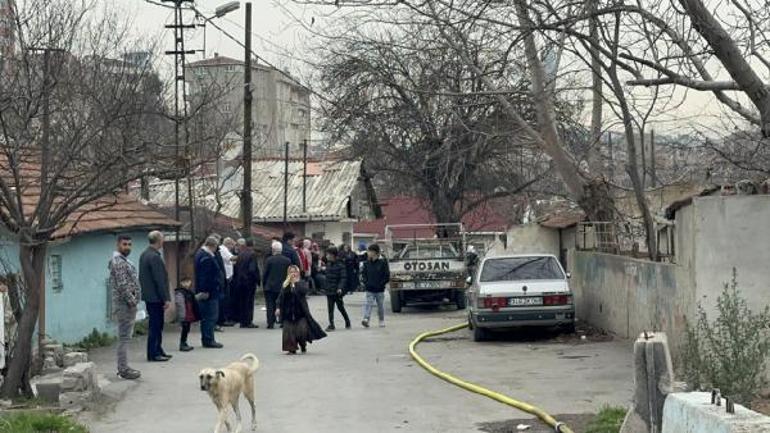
(569, 275)
(469, 281)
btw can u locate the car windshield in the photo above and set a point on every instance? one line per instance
(521, 268)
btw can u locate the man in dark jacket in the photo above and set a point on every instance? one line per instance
(276, 268)
(154, 282)
(336, 287)
(376, 274)
(208, 284)
(246, 278)
(288, 249)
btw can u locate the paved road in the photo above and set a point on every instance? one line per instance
(363, 380)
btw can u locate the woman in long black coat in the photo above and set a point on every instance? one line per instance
(299, 327)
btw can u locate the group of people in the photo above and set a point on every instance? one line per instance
(223, 290)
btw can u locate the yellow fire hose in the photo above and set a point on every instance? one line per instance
(548, 419)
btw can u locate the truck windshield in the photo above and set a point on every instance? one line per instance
(431, 251)
(521, 268)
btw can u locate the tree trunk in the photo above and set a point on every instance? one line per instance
(32, 259)
(732, 58)
(597, 99)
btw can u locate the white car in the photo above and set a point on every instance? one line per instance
(515, 291)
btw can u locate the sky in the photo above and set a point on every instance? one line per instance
(278, 32)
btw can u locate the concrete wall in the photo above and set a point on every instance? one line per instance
(729, 232)
(81, 303)
(714, 234)
(333, 231)
(628, 296)
(532, 238)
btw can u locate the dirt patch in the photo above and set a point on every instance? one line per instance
(761, 405)
(584, 333)
(576, 422)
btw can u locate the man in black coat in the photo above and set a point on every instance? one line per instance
(288, 249)
(376, 275)
(154, 282)
(276, 268)
(208, 287)
(246, 278)
(336, 287)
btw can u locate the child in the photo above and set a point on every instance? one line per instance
(186, 310)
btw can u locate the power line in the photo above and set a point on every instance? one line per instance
(258, 57)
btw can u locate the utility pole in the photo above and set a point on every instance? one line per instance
(182, 162)
(286, 185)
(246, 200)
(652, 158)
(304, 176)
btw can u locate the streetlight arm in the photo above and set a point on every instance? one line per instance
(226, 8)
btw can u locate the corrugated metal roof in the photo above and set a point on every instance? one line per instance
(329, 185)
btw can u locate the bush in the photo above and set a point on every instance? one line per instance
(729, 353)
(609, 420)
(95, 339)
(141, 327)
(25, 422)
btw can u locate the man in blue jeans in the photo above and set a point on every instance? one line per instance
(208, 287)
(153, 279)
(375, 275)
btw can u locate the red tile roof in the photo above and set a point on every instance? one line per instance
(108, 213)
(115, 213)
(412, 210)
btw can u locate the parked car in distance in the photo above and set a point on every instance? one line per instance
(513, 291)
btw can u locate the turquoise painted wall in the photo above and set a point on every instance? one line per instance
(81, 304)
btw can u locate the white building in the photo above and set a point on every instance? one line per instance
(281, 105)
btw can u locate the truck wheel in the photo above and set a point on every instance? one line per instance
(461, 300)
(395, 301)
(479, 334)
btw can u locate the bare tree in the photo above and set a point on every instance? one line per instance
(78, 122)
(418, 114)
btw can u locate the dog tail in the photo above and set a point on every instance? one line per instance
(254, 361)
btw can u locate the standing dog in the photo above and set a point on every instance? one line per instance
(225, 386)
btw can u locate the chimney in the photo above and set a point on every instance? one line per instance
(216, 54)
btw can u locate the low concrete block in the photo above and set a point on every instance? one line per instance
(48, 388)
(56, 351)
(74, 401)
(653, 378)
(79, 377)
(692, 412)
(73, 358)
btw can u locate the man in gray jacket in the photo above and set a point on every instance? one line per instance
(154, 281)
(125, 297)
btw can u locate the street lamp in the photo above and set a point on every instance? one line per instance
(219, 12)
(225, 9)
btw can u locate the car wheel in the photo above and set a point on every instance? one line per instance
(479, 334)
(461, 300)
(395, 301)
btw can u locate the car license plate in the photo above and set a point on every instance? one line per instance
(518, 302)
(428, 284)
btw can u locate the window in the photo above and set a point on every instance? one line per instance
(230, 68)
(226, 108)
(521, 268)
(55, 273)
